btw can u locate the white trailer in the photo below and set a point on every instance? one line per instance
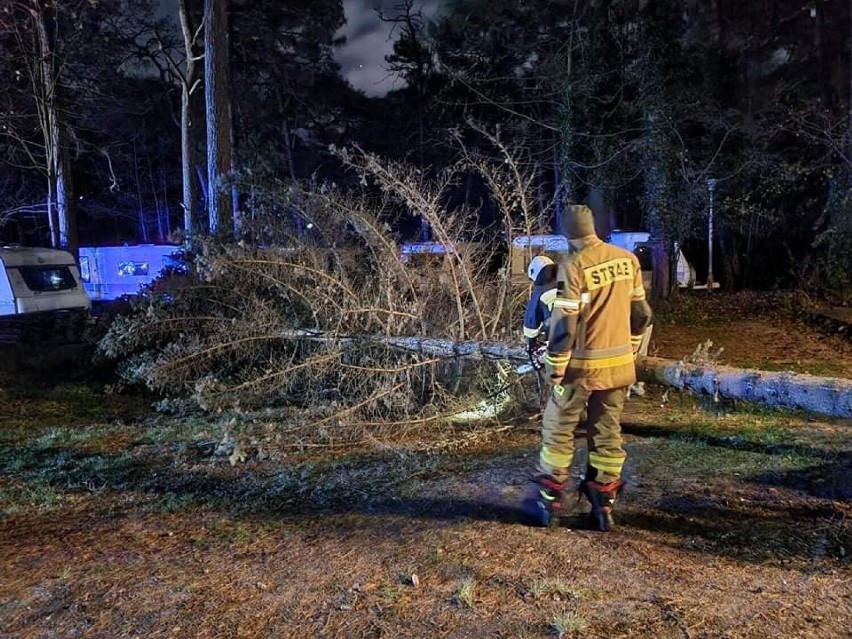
(525, 247)
(40, 293)
(112, 272)
(637, 242)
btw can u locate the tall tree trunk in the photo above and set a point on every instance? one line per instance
(220, 211)
(559, 206)
(62, 219)
(65, 204)
(167, 213)
(143, 225)
(660, 264)
(189, 83)
(291, 166)
(202, 183)
(156, 196)
(52, 213)
(849, 102)
(425, 231)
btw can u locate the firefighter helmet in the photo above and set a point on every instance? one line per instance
(538, 263)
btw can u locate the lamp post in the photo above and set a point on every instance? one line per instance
(711, 186)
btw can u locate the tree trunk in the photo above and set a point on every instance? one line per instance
(291, 166)
(62, 219)
(202, 183)
(52, 214)
(824, 395)
(220, 210)
(140, 204)
(187, 160)
(156, 197)
(661, 279)
(187, 143)
(166, 223)
(65, 203)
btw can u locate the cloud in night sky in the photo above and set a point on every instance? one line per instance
(368, 41)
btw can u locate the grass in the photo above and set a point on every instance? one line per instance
(568, 623)
(162, 430)
(390, 593)
(685, 453)
(17, 496)
(556, 588)
(689, 439)
(160, 522)
(466, 593)
(177, 503)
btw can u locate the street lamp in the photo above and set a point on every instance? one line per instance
(711, 186)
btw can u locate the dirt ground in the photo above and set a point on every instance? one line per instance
(737, 520)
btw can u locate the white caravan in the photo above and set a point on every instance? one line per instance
(637, 242)
(525, 247)
(39, 280)
(112, 272)
(41, 296)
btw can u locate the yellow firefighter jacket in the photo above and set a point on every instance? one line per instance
(598, 318)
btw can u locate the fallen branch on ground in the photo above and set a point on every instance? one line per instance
(434, 346)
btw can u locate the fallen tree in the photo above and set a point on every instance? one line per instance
(390, 336)
(825, 395)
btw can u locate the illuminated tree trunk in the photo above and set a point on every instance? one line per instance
(189, 83)
(220, 205)
(62, 218)
(824, 395)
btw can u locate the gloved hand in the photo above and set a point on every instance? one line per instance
(535, 352)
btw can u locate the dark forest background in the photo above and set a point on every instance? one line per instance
(118, 124)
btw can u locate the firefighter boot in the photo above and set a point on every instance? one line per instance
(602, 497)
(545, 504)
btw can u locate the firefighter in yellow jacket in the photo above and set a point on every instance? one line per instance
(596, 328)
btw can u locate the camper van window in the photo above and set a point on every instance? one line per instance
(85, 273)
(643, 252)
(127, 269)
(47, 278)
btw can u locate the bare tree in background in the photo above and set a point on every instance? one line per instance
(35, 28)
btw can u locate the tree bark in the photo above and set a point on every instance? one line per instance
(187, 143)
(220, 211)
(824, 395)
(62, 219)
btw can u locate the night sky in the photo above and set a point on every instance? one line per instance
(368, 41)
